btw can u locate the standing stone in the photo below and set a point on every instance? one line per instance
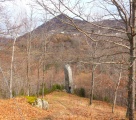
(42, 104)
(68, 79)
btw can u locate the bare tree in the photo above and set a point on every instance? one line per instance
(124, 10)
(116, 90)
(29, 25)
(93, 55)
(11, 71)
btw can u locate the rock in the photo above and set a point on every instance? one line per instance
(42, 104)
(68, 78)
(64, 90)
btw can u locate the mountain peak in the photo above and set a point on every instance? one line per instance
(62, 16)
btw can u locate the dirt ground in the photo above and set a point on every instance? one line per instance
(62, 106)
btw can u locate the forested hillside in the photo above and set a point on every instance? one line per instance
(86, 48)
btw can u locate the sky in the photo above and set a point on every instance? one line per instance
(23, 7)
(19, 9)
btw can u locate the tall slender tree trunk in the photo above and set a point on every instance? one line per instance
(116, 90)
(28, 62)
(43, 83)
(92, 86)
(38, 74)
(131, 82)
(28, 93)
(43, 87)
(11, 69)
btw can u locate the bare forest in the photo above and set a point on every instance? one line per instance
(67, 59)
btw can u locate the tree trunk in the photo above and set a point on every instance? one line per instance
(131, 82)
(92, 87)
(131, 85)
(38, 74)
(28, 62)
(116, 90)
(43, 87)
(11, 69)
(43, 83)
(28, 79)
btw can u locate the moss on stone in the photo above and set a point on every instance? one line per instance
(31, 99)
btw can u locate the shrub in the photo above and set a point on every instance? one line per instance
(80, 92)
(13, 93)
(46, 91)
(21, 93)
(57, 87)
(95, 97)
(54, 87)
(106, 99)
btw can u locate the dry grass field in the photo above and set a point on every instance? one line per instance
(62, 106)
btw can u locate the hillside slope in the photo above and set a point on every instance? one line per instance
(62, 106)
